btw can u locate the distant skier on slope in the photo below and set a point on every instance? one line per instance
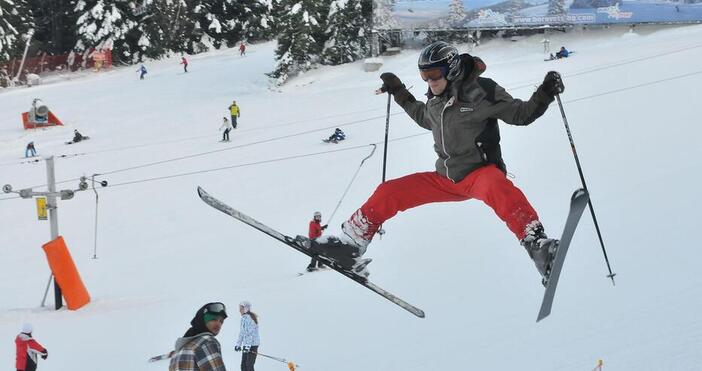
(315, 231)
(30, 150)
(142, 72)
(462, 112)
(184, 62)
(227, 126)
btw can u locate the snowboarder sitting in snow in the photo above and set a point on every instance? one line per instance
(461, 111)
(337, 136)
(198, 349)
(77, 137)
(563, 53)
(30, 149)
(28, 349)
(315, 232)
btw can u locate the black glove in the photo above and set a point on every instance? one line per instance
(325, 226)
(391, 83)
(553, 84)
(46, 354)
(237, 348)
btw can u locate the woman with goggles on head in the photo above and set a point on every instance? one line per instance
(461, 111)
(198, 350)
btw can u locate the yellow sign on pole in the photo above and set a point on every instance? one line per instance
(41, 208)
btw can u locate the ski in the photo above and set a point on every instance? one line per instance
(578, 202)
(162, 356)
(290, 241)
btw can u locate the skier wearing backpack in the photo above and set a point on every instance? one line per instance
(461, 110)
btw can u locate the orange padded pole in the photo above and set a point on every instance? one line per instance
(66, 274)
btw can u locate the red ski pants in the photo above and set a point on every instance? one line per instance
(487, 184)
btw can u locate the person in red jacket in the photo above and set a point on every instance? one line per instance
(28, 349)
(316, 229)
(184, 62)
(242, 49)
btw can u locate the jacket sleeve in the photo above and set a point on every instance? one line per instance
(517, 112)
(34, 346)
(414, 108)
(209, 357)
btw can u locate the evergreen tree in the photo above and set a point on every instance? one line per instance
(14, 15)
(106, 24)
(297, 46)
(457, 14)
(556, 7)
(347, 31)
(229, 21)
(382, 15)
(55, 25)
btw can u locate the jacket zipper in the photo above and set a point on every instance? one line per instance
(443, 141)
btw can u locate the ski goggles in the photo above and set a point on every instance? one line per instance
(216, 308)
(434, 74)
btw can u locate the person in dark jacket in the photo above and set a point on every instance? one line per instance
(30, 150)
(198, 350)
(77, 137)
(337, 136)
(142, 72)
(461, 111)
(315, 232)
(563, 53)
(28, 349)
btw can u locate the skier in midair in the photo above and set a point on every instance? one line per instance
(461, 111)
(315, 231)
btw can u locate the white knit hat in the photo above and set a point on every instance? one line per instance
(27, 328)
(246, 306)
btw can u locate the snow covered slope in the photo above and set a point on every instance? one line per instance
(631, 101)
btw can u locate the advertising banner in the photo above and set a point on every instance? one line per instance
(459, 14)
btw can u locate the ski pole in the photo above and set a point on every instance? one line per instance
(283, 360)
(387, 129)
(351, 182)
(582, 179)
(162, 356)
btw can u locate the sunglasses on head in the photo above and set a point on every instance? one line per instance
(434, 74)
(216, 308)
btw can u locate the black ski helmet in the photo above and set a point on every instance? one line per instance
(441, 54)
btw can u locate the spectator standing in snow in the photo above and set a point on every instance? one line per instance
(28, 349)
(227, 126)
(198, 350)
(248, 340)
(142, 72)
(315, 232)
(184, 62)
(235, 113)
(30, 149)
(242, 49)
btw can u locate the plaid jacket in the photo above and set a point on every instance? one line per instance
(201, 352)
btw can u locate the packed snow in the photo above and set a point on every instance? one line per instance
(161, 252)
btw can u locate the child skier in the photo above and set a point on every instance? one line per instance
(227, 126)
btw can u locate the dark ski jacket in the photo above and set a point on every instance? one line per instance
(463, 120)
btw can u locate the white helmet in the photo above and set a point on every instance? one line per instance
(317, 214)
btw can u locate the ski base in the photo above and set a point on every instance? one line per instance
(578, 202)
(291, 241)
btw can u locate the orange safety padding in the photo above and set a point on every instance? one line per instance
(66, 274)
(53, 120)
